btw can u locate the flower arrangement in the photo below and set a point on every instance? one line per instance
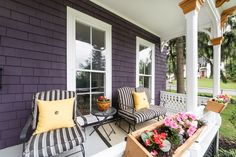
(223, 98)
(174, 132)
(103, 103)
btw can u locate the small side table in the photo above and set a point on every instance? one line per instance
(104, 114)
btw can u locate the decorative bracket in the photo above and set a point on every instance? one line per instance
(220, 2)
(217, 41)
(225, 14)
(190, 5)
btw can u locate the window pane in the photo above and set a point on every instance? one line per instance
(148, 66)
(94, 99)
(98, 39)
(82, 82)
(147, 82)
(141, 47)
(141, 81)
(98, 82)
(98, 60)
(141, 67)
(83, 55)
(82, 32)
(145, 60)
(83, 103)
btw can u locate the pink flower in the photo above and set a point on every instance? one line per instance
(168, 121)
(192, 116)
(183, 116)
(178, 119)
(174, 125)
(154, 153)
(191, 131)
(147, 142)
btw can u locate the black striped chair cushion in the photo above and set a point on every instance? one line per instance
(125, 97)
(50, 96)
(143, 114)
(54, 142)
(159, 110)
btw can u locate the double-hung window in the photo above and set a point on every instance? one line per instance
(88, 58)
(145, 65)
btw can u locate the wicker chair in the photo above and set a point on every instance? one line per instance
(127, 111)
(53, 142)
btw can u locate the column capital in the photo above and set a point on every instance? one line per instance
(220, 2)
(190, 5)
(225, 14)
(217, 41)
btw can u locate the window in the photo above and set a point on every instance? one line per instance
(88, 58)
(145, 65)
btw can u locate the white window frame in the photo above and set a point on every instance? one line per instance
(73, 16)
(140, 41)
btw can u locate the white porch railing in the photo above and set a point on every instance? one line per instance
(176, 102)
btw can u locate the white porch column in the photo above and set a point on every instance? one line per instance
(216, 42)
(192, 60)
(190, 9)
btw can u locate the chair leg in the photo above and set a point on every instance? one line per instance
(129, 128)
(82, 150)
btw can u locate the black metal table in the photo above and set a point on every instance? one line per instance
(104, 114)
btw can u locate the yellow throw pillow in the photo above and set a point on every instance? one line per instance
(54, 114)
(140, 100)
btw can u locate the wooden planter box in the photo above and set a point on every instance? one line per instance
(136, 149)
(215, 106)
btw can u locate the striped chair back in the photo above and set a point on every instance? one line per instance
(125, 98)
(50, 96)
(146, 90)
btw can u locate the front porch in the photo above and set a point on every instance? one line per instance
(206, 144)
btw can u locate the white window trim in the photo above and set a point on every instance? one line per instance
(152, 46)
(73, 16)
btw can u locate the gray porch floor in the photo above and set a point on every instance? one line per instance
(93, 145)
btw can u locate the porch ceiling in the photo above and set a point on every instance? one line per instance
(163, 18)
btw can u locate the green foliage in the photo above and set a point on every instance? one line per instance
(232, 119)
(227, 153)
(228, 50)
(173, 135)
(227, 130)
(231, 71)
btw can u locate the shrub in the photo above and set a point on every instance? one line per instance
(227, 153)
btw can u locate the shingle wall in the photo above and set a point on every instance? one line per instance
(33, 55)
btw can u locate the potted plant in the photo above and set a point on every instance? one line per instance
(218, 104)
(103, 103)
(170, 137)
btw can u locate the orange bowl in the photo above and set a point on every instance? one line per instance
(103, 106)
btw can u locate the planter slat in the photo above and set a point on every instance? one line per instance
(215, 106)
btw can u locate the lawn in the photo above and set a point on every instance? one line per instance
(208, 83)
(227, 130)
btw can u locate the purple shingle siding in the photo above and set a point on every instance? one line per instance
(33, 55)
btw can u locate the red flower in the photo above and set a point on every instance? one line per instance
(163, 136)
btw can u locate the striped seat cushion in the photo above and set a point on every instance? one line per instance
(143, 114)
(159, 110)
(54, 142)
(125, 97)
